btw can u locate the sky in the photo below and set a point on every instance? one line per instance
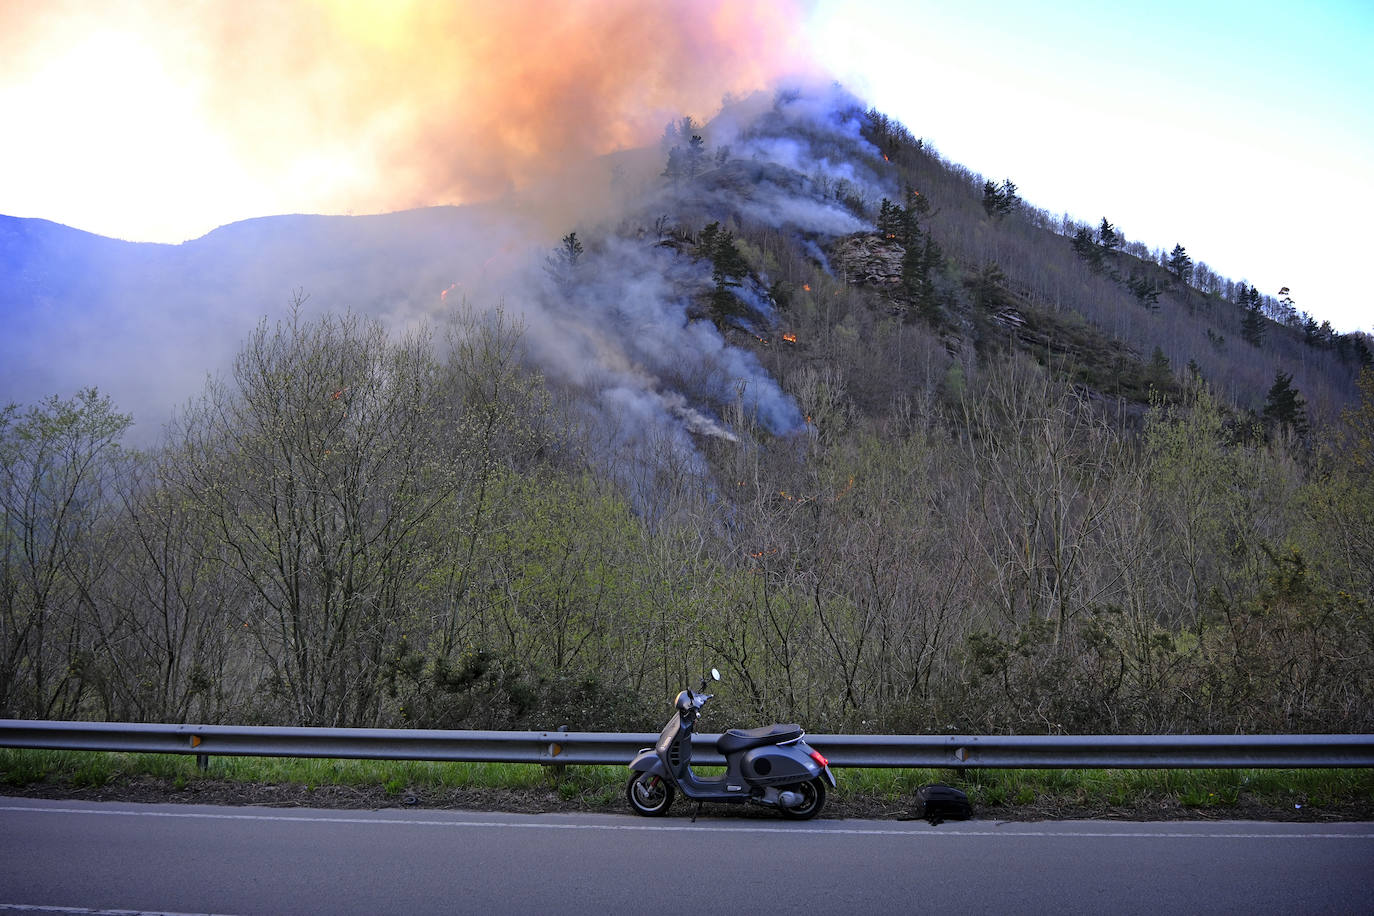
(1243, 131)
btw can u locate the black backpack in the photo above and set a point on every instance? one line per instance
(937, 802)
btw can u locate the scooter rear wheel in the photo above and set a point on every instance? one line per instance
(649, 795)
(813, 800)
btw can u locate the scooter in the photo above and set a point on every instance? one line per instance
(769, 766)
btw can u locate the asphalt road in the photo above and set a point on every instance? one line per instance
(90, 857)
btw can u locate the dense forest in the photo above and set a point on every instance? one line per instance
(894, 450)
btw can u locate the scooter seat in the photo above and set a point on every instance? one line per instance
(742, 739)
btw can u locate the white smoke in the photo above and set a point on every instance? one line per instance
(625, 330)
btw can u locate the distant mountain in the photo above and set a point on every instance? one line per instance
(146, 322)
(813, 182)
(790, 393)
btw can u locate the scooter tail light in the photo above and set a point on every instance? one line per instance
(816, 756)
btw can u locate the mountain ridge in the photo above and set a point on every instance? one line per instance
(124, 313)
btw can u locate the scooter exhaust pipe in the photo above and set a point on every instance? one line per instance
(789, 799)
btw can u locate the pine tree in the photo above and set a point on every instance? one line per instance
(1107, 237)
(1284, 408)
(696, 155)
(562, 263)
(1252, 322)
(999, 200)
(1287, 307)
(1007, 200)
(571, 250)
(1180, 265)
(986, 286)
(676, 169)
(728, 268)
(920, 264)
(1159, 372)
(891, 219)
(1144, 289)
(989, 197)
(1310, 330)
(909, 231)
(927, 297)
(1087, 249)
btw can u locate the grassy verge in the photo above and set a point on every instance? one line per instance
(1147, 792)
(1007, 793)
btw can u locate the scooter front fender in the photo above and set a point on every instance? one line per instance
(648, 761)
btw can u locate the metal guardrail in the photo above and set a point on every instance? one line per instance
(560, 748)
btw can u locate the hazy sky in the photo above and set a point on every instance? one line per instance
(1243, 131)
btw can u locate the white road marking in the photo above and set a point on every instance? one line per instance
(821, 829)
(84, 911)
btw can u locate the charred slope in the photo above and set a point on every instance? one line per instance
(796, 191)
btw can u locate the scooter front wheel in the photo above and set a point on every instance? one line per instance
(813, 800)
(649, 795)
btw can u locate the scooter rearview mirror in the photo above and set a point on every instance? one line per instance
(715, 675)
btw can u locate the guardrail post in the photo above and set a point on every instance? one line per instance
(202, 760)
(557, 770)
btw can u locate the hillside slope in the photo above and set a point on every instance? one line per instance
(792, 397)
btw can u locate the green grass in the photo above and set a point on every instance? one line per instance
(92, 768)
(1202, 790)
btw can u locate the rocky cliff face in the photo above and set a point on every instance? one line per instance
(868, 259)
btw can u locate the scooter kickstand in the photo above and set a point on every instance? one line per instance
(696, 812)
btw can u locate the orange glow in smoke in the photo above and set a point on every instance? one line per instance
(319, 106)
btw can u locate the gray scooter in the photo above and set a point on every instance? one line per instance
(769, 766)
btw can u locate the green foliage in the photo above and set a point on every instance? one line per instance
(999, 199)
(1181, 265)
(561, 266)
(920, 267)
(1006, 515)
(1145, 289)
(1108, 239)
(986, 287)
(1252, 327)
(1284, 408)
(1087, 248)
(687, 153)
(728, 268)
(59, 461)
(1160, 373)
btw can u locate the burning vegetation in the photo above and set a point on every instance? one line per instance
(574, 494)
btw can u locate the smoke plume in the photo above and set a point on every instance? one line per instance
(332, 106)
(343, 105)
